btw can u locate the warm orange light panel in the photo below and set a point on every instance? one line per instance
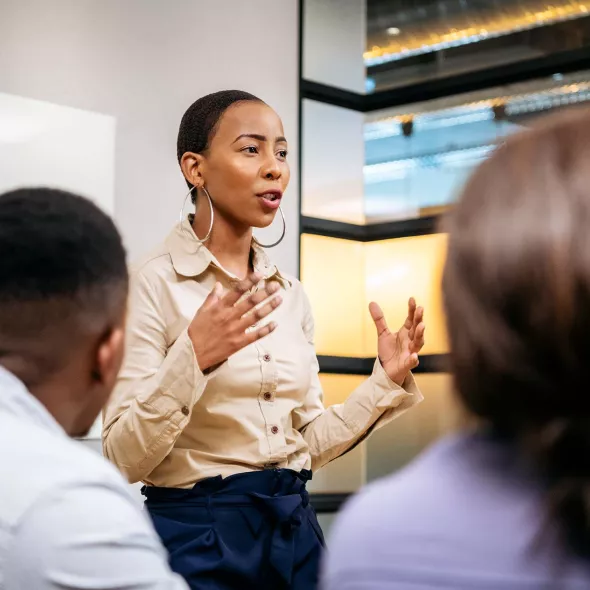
(395, 445)
(439, 410)
(341, 277)
(332, 272)
(398, 269)
(401, 441)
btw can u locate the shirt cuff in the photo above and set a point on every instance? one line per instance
(392, 394)
(395, 400)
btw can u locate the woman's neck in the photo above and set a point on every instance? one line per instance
(229, 242)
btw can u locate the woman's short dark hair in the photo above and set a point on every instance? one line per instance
(199, 123)
(516, 289)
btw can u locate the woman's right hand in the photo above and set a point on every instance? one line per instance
(218, 330)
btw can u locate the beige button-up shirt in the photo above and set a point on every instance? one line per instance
(168, 424)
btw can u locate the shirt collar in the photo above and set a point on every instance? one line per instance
(190, 258)
(17, 401)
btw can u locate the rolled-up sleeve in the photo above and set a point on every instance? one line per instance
(331, 432)
(158, 386)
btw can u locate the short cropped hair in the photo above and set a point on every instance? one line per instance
(63, 276)
(200, 121)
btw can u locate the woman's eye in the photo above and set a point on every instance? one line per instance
(251, 149)
(283, 154)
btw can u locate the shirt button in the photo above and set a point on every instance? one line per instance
(185, 410)
(268, 396)
(266, 358)
(275, 429)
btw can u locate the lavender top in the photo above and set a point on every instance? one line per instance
(464, 516)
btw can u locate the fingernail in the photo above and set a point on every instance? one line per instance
(272, 326)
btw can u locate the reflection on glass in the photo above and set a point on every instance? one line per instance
(409, 42)
(334, 36)
(332, 162)
(370, 45)
(417, 158)
(412, 161)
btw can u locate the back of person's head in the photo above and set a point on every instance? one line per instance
(517, 295)
(63, 288)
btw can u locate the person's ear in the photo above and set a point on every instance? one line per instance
(109, 358)
(192, 167)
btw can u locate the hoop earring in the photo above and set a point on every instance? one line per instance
(282, 235)
(181, 216)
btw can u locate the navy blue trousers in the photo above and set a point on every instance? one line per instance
(248, 531)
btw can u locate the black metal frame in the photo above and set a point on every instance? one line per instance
(521, 71)
(345, 365)
(420, 226)
(328, 503)
(300, 129)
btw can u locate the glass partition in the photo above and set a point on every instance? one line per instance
(367, 46)
(412, 161)
(375, 182)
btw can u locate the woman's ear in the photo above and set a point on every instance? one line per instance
(192, 167)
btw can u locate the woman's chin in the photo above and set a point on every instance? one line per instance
(263, 221)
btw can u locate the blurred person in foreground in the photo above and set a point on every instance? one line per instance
(67, 520)
(506, 502)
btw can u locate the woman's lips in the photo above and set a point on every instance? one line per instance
(271, 199)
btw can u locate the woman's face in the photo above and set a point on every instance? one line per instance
(245, 168)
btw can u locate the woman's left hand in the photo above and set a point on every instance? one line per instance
(398, 351)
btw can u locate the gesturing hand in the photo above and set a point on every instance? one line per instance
(218, 330)
(398, 351)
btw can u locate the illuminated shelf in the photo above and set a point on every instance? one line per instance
(473, 29)
(341, 277)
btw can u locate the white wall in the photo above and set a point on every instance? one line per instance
(50, 136)
(144, 62)
(138, 64)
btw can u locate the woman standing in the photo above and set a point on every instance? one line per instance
(220, 413)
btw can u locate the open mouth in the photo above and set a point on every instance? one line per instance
(271, 199)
